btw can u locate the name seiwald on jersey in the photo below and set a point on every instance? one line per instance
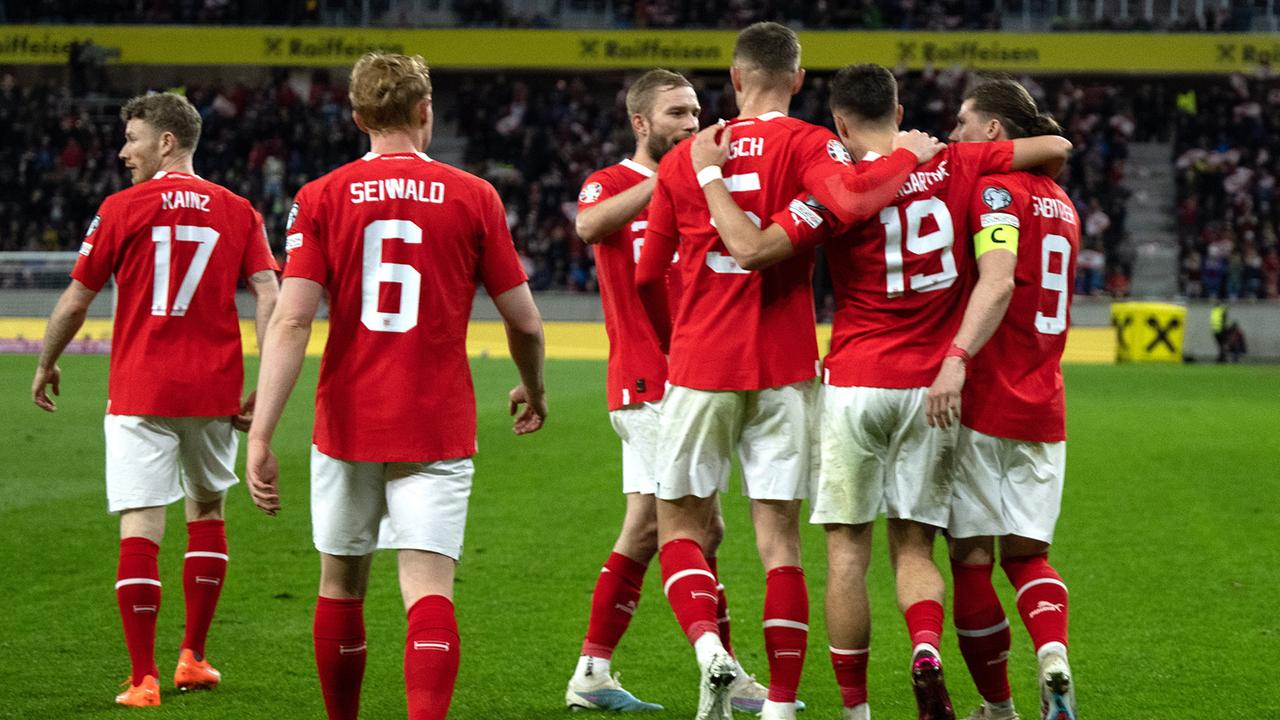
(401, 243)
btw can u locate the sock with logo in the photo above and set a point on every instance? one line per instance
(612, 605)
(138, 595)
(850, 665)
(340, 654)
(690, 587)
(982, 629)
(431, 654)
(786, 630)
(1042, 598)
(203, 570)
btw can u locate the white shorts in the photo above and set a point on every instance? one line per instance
(1007, 487)
(772, 431)
(879, 455)
(637, 425)
(359, 507)
(153, 461)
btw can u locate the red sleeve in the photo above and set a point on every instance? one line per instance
(660, 241)
(598, 188)
(806, 222)
(986, 158)
(993, 204)
(304, 242)
(101, 245)
(858, 193)
(257, 251)
(500, 268)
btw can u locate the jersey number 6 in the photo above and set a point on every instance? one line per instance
(375, 272)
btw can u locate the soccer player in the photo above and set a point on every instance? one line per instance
(744, 357)
(1011, 454)
(399, 243)
(898, 301)
(177, 246)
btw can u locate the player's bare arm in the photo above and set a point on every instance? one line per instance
(67, 318)
(987, 305)
(266, 290)
(923, 145)
(599, 221)
(1045, 154)
(283, 349)
(524, 339)
(752, 247)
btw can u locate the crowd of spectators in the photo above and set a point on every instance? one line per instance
(821, 14)
(1227, 157)
(534, 136)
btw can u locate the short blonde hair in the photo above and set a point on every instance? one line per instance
(386, 88)
(644, 91)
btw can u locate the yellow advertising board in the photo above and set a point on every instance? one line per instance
(1149, 331)
(636, 49)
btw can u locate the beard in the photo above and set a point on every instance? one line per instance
(659, 146)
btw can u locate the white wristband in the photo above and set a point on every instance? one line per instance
(709, 174)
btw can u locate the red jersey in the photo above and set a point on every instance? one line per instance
(177, 245)
(900, 278)
(736, 329)
(637, 367)
(400, 242)
(1014, 386)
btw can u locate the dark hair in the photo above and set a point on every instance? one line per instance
(1010, 103)
(166, 112)
(643, 93)
(868, 91)
(768, 47)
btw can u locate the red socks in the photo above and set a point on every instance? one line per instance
(690, 587)
(983, 630)
(612, 604)
(1042, 598)
(851, 674)
(203, 570)
(431, 652)
(340, 654)
(722, 608)
(924, 623)
(786, 630)
(138, 594)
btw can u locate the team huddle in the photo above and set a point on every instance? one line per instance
(939, 405)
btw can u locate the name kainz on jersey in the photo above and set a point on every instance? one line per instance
(397, 189)
(1052, 208)
(184, 200)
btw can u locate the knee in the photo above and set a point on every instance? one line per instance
(715, 534)
(639, 538)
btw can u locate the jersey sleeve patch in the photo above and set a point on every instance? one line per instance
(93, 226)
(995, 237)
(293, 215)
(590, 193)
(803, 213)
(996, 198)
(838, 152)
(989, 219)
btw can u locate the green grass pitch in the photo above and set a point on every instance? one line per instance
(1168, 542)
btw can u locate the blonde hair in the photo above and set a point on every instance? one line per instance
(386, 89)
(644, 91)
(166, 112)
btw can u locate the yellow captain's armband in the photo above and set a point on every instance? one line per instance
(998, 233)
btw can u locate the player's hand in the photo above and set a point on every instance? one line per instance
(710, 147)
(942, 403)
(535, 411)
(242, 420)
(262, 473)
(924, 145)
(50, 377)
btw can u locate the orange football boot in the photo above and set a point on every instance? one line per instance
(144, 694)
(195, 673)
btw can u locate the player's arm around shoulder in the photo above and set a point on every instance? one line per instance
(752, 247)
(1043, 154)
